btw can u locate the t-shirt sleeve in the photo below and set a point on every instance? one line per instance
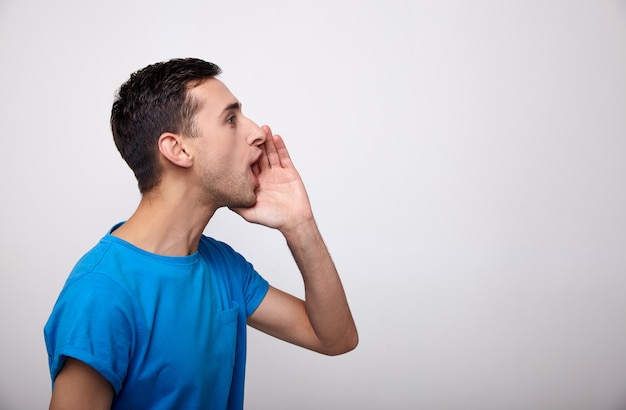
(253, 286)
(92, 321)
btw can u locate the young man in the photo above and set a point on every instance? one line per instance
(154, 316)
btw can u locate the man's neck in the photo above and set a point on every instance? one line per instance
(166, 225)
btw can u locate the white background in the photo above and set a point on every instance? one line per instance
(466, 161)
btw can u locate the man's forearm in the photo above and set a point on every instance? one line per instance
(325, 299)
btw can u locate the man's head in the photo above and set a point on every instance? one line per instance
(156, 100)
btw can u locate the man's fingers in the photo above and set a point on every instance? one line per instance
(275, 152)
(281, 152)
(270, 148)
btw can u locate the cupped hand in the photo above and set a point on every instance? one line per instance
(282, 202)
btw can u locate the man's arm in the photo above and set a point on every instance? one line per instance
(79, 386)
(323, 321)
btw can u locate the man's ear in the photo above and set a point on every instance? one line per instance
(171, 147)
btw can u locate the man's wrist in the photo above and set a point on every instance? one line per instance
(301, 231)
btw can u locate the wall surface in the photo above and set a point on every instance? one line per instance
(466, 162)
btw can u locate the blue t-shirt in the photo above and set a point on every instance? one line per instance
(166, 332)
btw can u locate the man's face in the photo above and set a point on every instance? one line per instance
(225, 147)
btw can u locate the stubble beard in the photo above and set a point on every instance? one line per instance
(233, 192)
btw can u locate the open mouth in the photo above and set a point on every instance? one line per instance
(256, 170)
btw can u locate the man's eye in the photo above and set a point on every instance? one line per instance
(231, 119)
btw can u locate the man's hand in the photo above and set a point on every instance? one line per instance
(282, 201)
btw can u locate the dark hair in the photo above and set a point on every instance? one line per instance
(155, 100)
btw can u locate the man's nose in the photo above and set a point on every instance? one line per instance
(257, 135)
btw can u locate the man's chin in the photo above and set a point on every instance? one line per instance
(244, 203)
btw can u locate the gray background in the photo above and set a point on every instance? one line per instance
(466, 161)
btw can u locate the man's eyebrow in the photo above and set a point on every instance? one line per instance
(231, 107)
